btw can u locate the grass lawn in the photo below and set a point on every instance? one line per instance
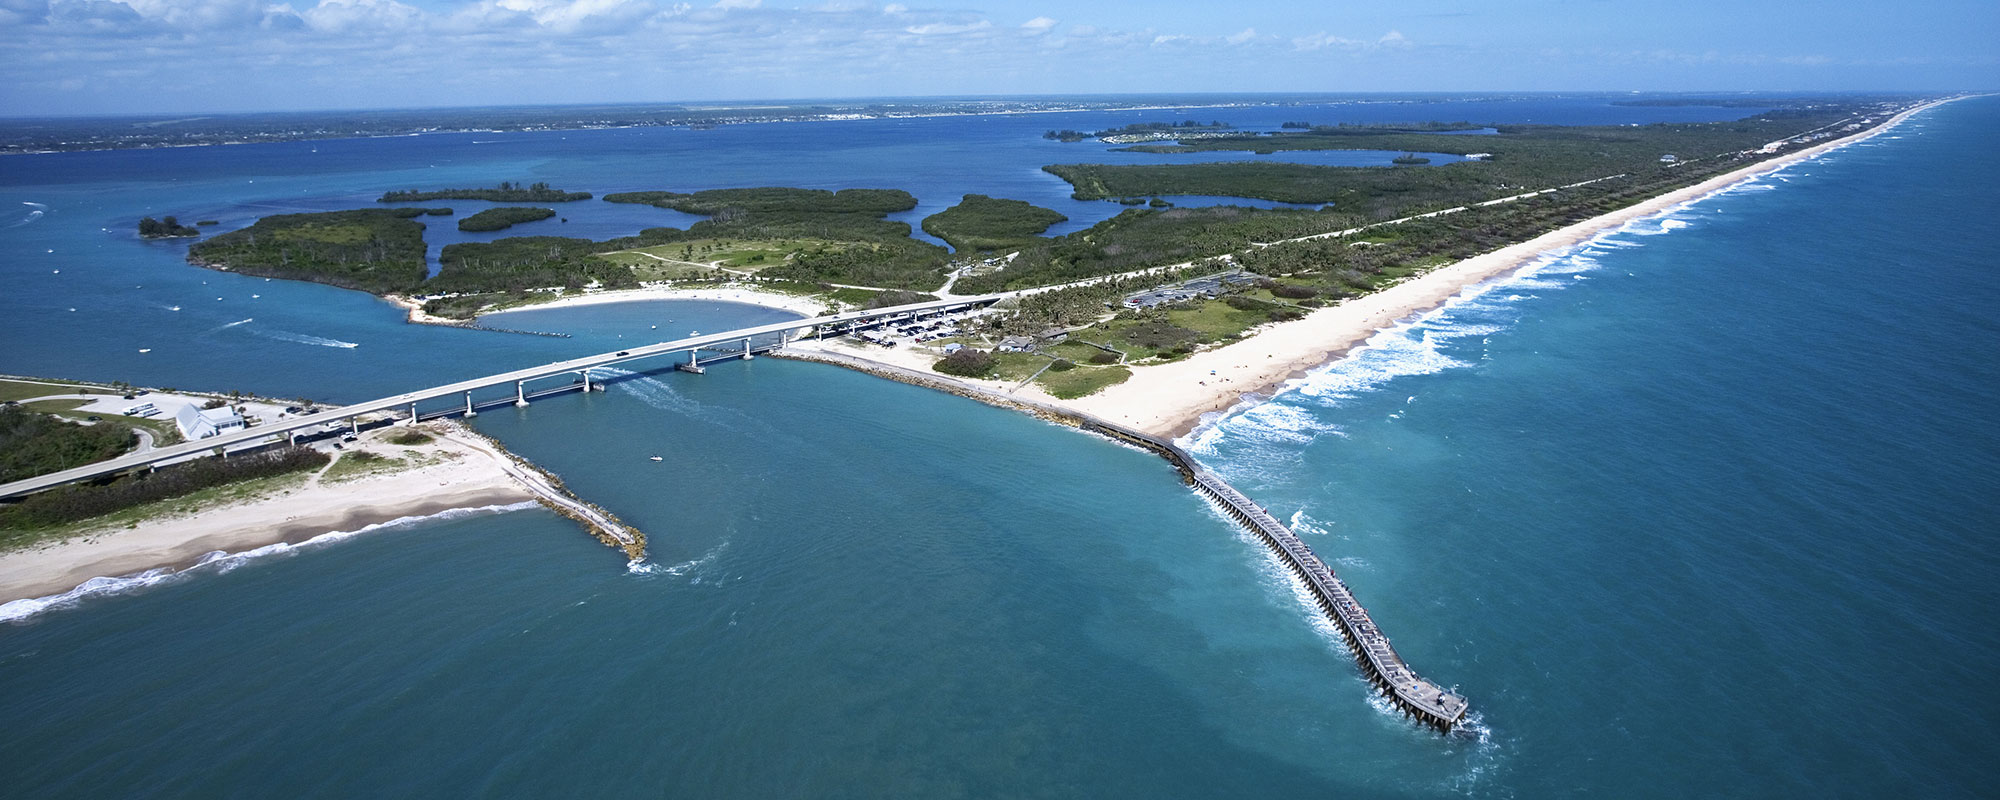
(1074, 383)
(22, 390)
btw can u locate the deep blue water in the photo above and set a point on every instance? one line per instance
(1699, 510)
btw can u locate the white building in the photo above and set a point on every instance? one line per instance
(201, 423)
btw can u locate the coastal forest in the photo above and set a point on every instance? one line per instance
(1525, 180)
(506, 192)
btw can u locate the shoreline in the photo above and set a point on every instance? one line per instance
(804, 306)
(1176, 399)
(454, 475)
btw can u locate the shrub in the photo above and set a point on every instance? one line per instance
(83, 501)
(1103, 358)
(1061, 365)
(409, 438)
(1294, 292)
(966, 363)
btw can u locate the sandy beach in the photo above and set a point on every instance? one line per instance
(458, 474)
(1172, 399)
(806, 306)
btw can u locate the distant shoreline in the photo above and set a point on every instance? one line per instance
(1175, 399)
(829, 117)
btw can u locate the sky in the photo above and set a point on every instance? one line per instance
(61, 57)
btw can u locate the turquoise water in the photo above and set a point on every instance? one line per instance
(1699, 510)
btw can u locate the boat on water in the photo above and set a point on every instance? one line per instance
(657, 458)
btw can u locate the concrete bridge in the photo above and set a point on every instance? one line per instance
(740, 343)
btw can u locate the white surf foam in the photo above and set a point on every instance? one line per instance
(649, 569)
(301, 338)
(220, 562)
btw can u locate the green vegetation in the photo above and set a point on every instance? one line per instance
(1066, 135)
(1074, 383)
(358, 463)
(520, 263)
(981, 223)
(864, 247)
(168, 228)
(966, 363)
(207, 222)
(77, 502)
(497, 219)
(1373, 128)
(22, 390)
(895, 297)
(507, 192)
(37, 444)
(409, 438)
(1523, 157)
(373, 250)
(1409, 159)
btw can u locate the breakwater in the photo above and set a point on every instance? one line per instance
(550, 491)
(1421, 699)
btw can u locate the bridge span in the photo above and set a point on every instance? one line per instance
(739, 341)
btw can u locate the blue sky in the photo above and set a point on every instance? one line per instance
(198, 56)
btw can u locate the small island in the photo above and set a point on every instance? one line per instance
(506, 192)
(981, 223)
(167, 228)
(499, 219)
(1410, 158)
(377, 250)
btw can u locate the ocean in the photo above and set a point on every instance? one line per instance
(1697, 509)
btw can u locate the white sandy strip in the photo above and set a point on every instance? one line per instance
(793, 303)
(469, 478)
(1170, 399)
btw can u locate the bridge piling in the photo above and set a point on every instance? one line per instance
(746, 350)
(521, 394)
(469, 410)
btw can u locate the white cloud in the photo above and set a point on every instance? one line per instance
(1239, 38)
(947, 29)
(361, 16)
(728, 4)
(1038, 25)
(1393, 39)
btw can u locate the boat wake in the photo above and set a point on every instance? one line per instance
(300, 338)
(219, 562)
(35, 211)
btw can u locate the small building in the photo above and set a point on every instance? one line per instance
(201, 423)
(1053, 335)
(1669, 158)
(953, 348)
(1017, 344)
